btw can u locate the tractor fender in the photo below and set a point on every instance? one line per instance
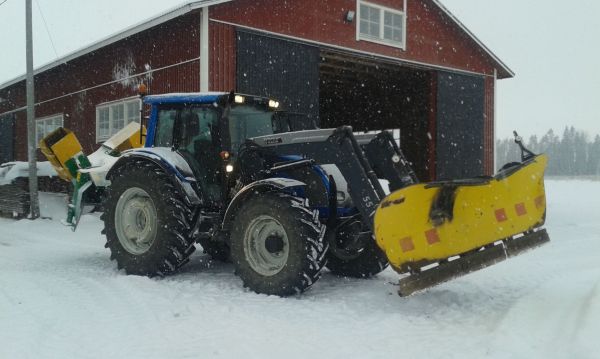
(276, 184)
(169, 161)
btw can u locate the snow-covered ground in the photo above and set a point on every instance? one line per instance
(61, 297)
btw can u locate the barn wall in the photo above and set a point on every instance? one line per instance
(158, 48)
(488, 128)
(223, 61)
(432, 38)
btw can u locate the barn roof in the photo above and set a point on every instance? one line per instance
(496, 59)
(129, 31)
(193, 5)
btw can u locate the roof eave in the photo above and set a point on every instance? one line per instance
(503, 70)
(132, 30)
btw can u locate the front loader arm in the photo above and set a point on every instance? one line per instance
(353, 155)
(433, 231)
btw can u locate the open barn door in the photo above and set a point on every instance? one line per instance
(373, 95)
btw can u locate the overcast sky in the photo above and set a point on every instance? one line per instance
(552, 46)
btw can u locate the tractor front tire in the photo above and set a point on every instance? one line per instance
(366, 262)
(147, 221)
(277, 244)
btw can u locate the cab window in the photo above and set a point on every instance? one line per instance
(164, 128)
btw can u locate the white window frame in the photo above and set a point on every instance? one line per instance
(111, 120)
(382, 11)
(47, 119)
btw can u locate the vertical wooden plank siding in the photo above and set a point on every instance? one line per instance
(168, 50)
(432, 37)
(222, 64)
(488, 128)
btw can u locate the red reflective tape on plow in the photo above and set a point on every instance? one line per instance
(432, 236)
(501, 215)
(539, 202)
(407, 244)
(520, 209)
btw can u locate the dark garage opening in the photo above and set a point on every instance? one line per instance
(371, 96)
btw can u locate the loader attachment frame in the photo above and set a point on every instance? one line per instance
(362, 160)
(433, 231)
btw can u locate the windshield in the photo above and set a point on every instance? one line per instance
(247, 122)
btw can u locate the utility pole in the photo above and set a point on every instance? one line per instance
(31, 145)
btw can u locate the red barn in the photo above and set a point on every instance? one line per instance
(378, 64)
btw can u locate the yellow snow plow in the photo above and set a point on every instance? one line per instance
(437, 231)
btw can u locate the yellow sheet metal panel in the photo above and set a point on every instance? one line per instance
(60, 170)
(59, 146)
(483, 214)
(66, 148)
(127, 138)
(133, 141)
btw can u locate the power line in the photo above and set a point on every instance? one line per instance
(101, 85)
(2, 3)
(45, 26)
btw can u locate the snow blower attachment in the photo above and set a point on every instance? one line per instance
(442, 230)
(64, 152)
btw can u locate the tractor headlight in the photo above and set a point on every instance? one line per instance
(273, 104)
(239, 99)
(229, 168)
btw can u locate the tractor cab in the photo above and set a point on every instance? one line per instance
(208, 129)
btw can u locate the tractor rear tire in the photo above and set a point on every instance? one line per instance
(366, 263)
(277, 244)
(147, 221)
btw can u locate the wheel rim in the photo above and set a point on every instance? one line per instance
(266, 245)
(136, 221)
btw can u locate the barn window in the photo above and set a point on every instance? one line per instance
(381, 25)
(112, 117)
(44, 126)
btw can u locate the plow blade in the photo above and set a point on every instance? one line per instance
(471, 262)
(441, 230)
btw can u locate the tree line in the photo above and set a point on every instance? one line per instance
(573, 154)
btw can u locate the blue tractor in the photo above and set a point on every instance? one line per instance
(282, 199)
(243, 179)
